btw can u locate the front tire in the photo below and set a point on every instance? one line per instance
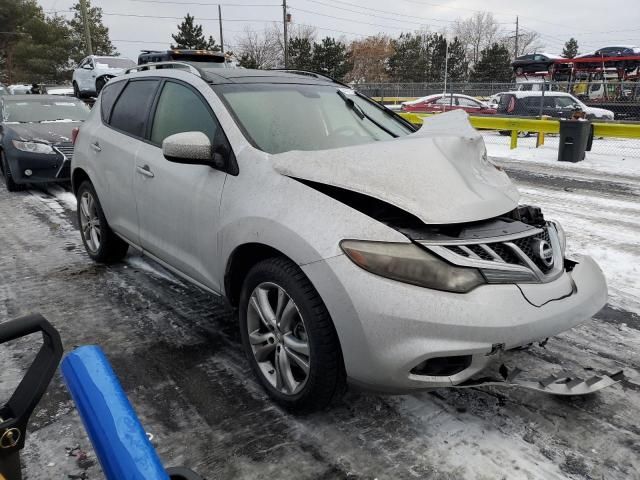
(76, 91)
(9, 182)
(289, 338)
(100, 83)
(99, 241)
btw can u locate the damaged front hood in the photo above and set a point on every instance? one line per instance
(48, 132)
(440, 173)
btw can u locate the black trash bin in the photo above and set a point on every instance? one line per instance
(574, 137)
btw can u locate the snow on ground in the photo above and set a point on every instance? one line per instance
(608, 155)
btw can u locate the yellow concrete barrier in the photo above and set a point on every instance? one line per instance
(534, 125)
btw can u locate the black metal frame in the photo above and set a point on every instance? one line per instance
(14, 415)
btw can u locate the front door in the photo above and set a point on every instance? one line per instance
(178, 205)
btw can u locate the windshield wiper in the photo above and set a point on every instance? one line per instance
(362, 114)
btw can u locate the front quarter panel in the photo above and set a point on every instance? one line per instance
(262, 206)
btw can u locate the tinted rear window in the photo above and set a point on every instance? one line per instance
(132, 108)
(108, 97)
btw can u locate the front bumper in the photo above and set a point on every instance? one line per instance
(45, 168)
(386, 328)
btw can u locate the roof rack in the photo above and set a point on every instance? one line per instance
(309, 73)
(161, 65)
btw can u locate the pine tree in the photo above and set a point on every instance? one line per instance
(330, 58)
(494, 65)
(300, 54)
(190, 36)
(100, 42)
(410, 59)
(570, 48)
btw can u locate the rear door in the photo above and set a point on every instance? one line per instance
(178, 204)
(125, 110)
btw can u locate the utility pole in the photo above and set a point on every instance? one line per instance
(446, 65)
(87, 32)
(286, 41)
(220, 22)
(515, 55)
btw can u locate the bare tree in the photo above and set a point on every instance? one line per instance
(529, 42)
(477, 33)
(259, 49)
(303, 32)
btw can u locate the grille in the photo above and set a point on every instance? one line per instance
(514, 252)
(66, 149)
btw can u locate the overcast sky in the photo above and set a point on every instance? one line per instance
(595, 23)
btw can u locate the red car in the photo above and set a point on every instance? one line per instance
(445, 103)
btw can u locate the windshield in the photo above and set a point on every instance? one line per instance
(114, 62)
(283, 117)
(44, 110)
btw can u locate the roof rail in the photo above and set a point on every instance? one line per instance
(160, 65)
(309, 73)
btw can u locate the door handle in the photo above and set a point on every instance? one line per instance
(96, 146)
(145, 170)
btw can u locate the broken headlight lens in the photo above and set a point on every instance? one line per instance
(33, 147)
(408, 263)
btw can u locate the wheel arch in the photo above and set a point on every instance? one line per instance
(241, 260)
(78, 176)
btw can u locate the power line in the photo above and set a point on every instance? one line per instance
(381, 11)
(209, 3)
(346, 19)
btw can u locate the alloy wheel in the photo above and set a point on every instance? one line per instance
(278, 338)
(90, 222)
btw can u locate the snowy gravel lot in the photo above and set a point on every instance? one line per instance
(177, 353)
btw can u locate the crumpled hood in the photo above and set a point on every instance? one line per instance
(440, 173)
(52, 132)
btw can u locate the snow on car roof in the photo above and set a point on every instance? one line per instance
(437, 95)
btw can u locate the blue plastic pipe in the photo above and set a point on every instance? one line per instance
(117, 435)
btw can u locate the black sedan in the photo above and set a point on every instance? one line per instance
(35, 138)
(535, 62)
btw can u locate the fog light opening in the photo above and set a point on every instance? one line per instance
(442, 366)
(28, 172)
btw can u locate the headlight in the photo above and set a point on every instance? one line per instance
(405, 262)
(562, 237)
(33, 147)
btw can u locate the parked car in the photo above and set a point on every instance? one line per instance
(18, 89)
(35, 138)
(607, 55)
(554, 104)
(494, 100)
(353, 246)
(446, 103)
(93, 72)
(535, 62)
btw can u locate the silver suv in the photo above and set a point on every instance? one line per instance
(354, 247)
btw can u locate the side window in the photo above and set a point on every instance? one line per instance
(467, 102)
(82, 62)
(108, 97)
(444, 101)
(132, 108)
(179, 110)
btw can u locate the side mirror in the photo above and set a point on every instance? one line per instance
(87, 67)
(192, 148)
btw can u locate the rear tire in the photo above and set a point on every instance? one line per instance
(301, 327)
(11, 185)
(99, 241)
